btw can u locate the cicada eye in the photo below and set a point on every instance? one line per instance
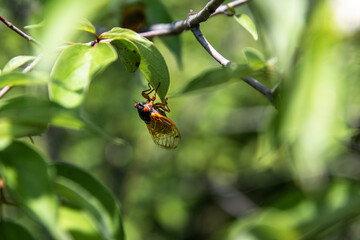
(146, 109)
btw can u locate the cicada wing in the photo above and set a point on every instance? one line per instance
(163, 131)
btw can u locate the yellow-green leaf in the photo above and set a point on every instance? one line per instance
(245, 21)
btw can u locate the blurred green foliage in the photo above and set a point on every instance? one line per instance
(244, 169)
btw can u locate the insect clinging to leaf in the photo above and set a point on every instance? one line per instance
(163, 131)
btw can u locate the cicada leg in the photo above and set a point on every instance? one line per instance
(164, 106)
(146, 92)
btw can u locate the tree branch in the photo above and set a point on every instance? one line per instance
(223, 9)
(211, 9)
(210, 49)
(192, 22)
(268, 93)
(204, 14)
(18, 31)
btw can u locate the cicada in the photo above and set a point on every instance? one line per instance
(163, 131)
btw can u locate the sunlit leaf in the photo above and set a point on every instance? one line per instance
(17, 62)
(152, 63)
(60, 21)
(74, 70)
(13, 231)
(245, 21)
(122, 33)
(77, 223)
(29, 182)
(85, 192)
(86, 25)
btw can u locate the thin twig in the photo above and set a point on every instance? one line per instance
(209, 48)
(18, 31)
(268, 93)
(7, 88)
(4, 90)
(32, 64)
(211, 9)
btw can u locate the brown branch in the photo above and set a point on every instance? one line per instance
(211, 9)
(210, 49)
(18, 31)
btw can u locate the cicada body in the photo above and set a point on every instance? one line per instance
(163, 131)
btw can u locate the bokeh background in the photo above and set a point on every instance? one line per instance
(246, 168)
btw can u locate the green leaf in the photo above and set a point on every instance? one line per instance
(122, 33)
(86, 25)
(34, 26)
(73, 70)
(26, 116)
(29, 183)
(128, 54)
(215, 77)
(152, 63)
(77, 223)
(85, 192)
(245, 21)
(255, 58)
(22, 79)
(13, 231)
(17, 62)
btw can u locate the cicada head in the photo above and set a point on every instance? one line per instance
(144, 110)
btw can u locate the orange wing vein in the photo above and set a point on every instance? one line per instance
(163, 131)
